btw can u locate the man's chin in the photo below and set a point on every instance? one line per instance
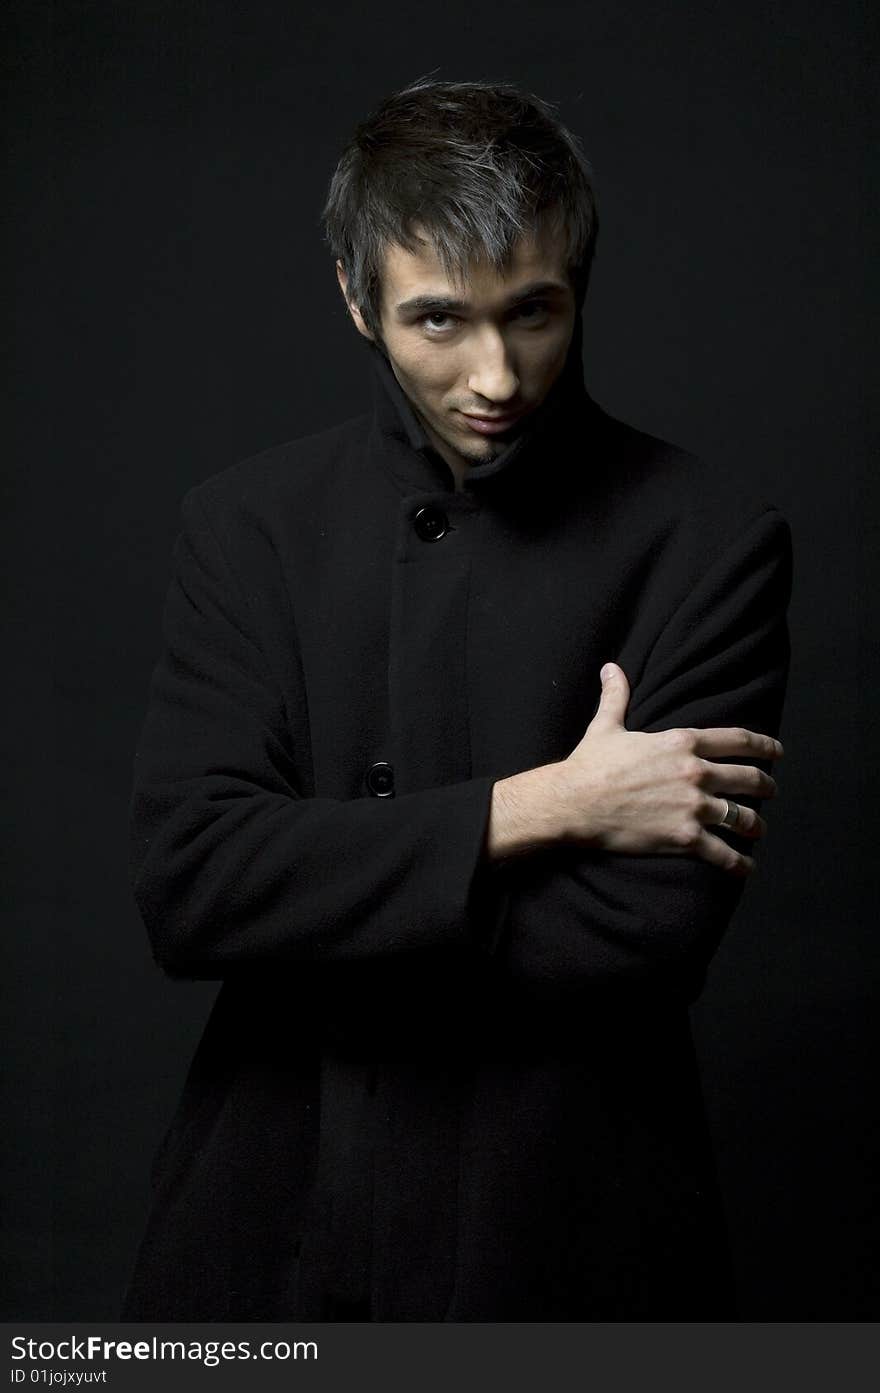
(473, 448)
(484, 453)
(482, 450)
(477, 451)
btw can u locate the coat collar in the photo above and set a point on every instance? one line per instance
(567, 412)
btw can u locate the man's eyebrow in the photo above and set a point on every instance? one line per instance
(447, 304)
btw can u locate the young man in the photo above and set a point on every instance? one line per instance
(460, 888)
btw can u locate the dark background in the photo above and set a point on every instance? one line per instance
(175, 309)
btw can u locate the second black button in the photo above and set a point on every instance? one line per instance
(380, 780)
(431, 523)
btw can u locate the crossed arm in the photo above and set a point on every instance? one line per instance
(593, 868)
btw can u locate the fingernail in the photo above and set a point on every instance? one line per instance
(606, 672)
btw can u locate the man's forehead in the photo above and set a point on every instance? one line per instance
(536, 257)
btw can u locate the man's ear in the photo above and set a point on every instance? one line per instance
(353, 310)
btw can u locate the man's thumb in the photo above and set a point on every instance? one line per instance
(615, 693)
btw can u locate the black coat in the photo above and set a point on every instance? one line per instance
(431, 1089)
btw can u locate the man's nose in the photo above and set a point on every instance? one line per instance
(493, 373)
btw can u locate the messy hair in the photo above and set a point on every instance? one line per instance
(476, 165)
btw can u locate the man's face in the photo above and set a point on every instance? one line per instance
(476, 360)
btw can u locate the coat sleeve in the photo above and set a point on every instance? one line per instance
(233, 865)
(570, 918)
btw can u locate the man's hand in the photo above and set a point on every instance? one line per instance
(636, 792)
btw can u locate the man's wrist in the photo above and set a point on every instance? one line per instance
(528, 812)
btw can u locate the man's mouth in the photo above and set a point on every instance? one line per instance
(492, 425)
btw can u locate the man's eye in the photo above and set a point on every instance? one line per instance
(438, 319)
(532, 309)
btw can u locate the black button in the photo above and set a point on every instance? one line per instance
(380, 780)
(431, 523)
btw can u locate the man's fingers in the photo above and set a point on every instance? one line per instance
(724, 741)
(713, 849)
(737, 778)
(615, 695)
(748, 822)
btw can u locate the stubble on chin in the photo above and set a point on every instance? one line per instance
(480, 452)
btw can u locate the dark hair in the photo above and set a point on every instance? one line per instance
(476, 164)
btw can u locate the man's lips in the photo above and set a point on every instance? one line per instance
(492, 425)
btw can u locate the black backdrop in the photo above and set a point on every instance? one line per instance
(175, 309)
